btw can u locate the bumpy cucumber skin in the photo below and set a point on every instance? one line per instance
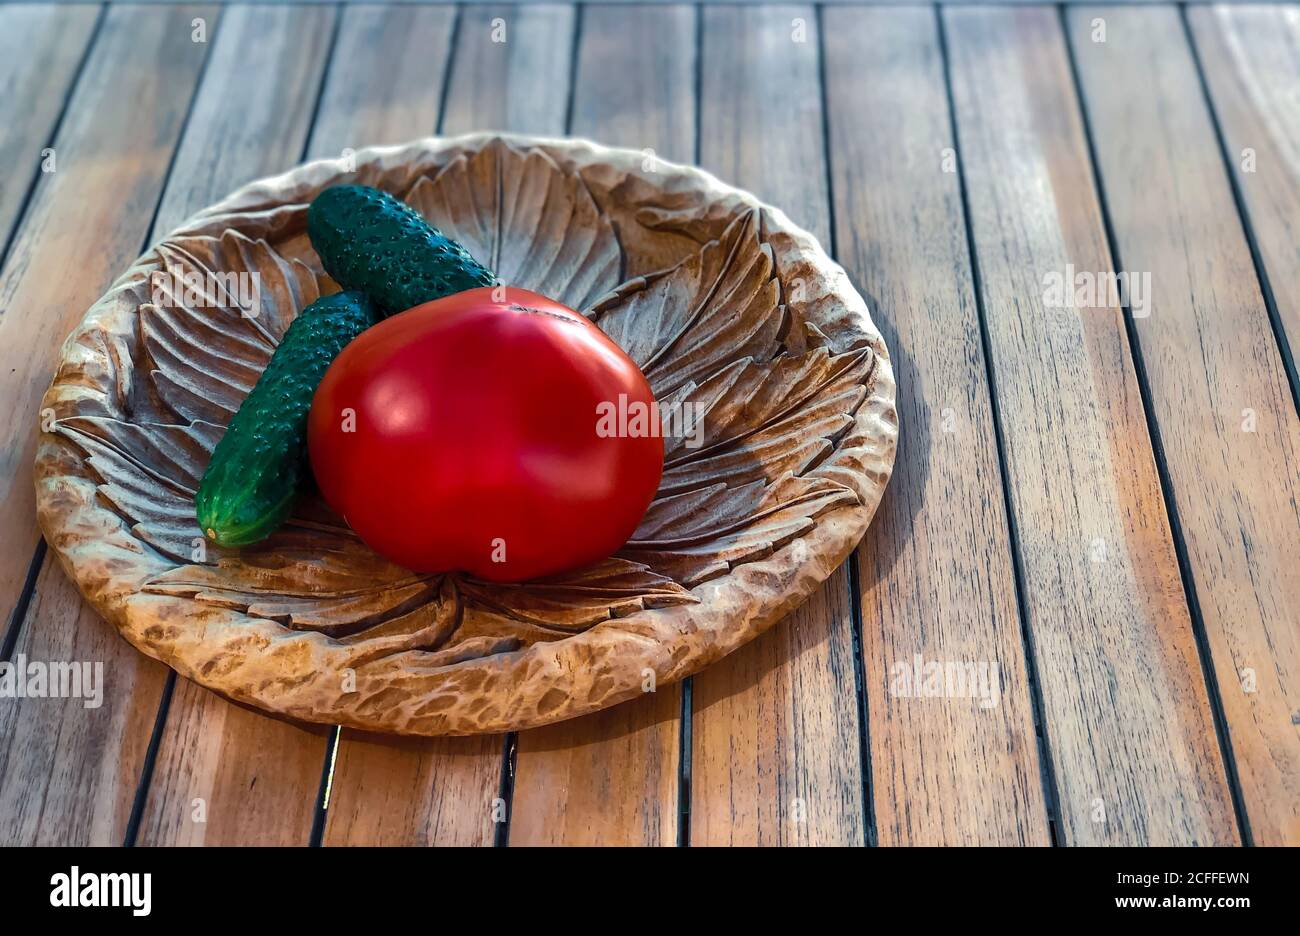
(249, 486)
(369, 241)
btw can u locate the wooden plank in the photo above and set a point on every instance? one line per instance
(69, 768)
(86, 222)
(1224, 411)
(775, 733)
(1127, 719)
(252, 114)
(935, 567)
(635, 78)
(512, 70)
(415, 791)
(612, 777)
(385, 77)
(444, 790)
(1251, 60)
(40, 50)
(761, 108)
(775, 744)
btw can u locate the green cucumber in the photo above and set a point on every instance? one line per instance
(260, 463)
(369, 240)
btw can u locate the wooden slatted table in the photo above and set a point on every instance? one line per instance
(1095, 498)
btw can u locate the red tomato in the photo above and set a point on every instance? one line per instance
(467, 434)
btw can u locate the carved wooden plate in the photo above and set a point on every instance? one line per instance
(776, 468)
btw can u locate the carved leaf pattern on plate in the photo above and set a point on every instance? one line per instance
(532, 224)
(751, 420)
(220, 307)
